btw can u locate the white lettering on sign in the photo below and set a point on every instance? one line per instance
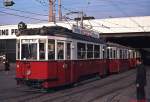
(25, 41)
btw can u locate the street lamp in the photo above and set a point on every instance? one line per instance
(8, 3)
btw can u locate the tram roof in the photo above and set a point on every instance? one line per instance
(110, 44)
(61, 32)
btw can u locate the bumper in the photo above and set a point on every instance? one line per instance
(33, 82)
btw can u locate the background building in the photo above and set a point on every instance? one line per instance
(112, 25)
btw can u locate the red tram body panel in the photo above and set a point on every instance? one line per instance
(57, 73)
(113, 65)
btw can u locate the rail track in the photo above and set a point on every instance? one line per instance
(74, 93)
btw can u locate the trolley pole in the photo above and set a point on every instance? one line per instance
(59, 10)
(81, 19)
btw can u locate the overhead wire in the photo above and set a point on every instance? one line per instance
(43, 3)
(124, 13)
(28, 12)
(27, 17)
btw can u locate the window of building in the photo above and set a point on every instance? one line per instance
(89, 51)
(96, 51)
(60, 50)
(51, 49)
(81, 51)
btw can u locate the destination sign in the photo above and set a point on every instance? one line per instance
(84, 31)
(25, 41)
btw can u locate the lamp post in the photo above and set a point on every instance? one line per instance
(8, 3)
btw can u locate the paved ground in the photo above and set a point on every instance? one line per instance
(115, 88)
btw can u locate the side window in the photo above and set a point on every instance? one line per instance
(60, 50)
(42, 49)
(111, 53)
(51, 49)
(107, 53)
(126, 55)
(104, 52)
(129, 56)
(96, 51)
(89, 51)
(18, 49)
(81, 51)
(68, 50)
(120, 51)
(114, 54)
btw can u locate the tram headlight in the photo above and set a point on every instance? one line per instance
(28, 72)
(17, 66)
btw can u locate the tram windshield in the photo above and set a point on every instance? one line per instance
(29, 51)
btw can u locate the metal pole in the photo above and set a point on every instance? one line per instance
(82, 19)
(51, 16)
(59, 10)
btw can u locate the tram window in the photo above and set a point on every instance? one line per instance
(103, 52)
(125, 55)
(18, 49)
(107, 53)
(111, 53)
(89, 51)
(96, 51)
(81, 51)
(133, 54)
(114, 54)
(68, 54)
(51, 49)
(120, 51)
(60, 50)
(29, 51)
(129, 56)
(42, 51)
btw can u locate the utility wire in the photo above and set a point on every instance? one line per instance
(21, 16)
(124, 13)
(43, 3)
(25, 11)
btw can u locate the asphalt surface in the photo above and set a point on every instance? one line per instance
(114, 88)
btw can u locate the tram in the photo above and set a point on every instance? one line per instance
(54, 56)
(121, 58)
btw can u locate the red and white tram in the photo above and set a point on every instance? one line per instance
(121, 58)
(133, 56)
(56, 56)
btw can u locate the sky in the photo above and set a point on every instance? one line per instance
(98, 8)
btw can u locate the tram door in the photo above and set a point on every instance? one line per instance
(64, 63)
